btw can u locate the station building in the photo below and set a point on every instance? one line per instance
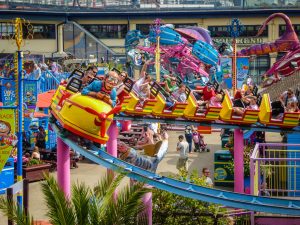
(97, 29)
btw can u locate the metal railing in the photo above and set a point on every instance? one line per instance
(276, 165)
(49, 81)
(133, 5)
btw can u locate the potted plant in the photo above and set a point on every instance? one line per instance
(35, 169)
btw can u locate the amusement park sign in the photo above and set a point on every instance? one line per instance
(243, 40)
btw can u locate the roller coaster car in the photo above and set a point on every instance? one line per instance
(250, 116)
(82, 115)
(146, 108)
(124, 97)
(192, 111)
(289, 119)
(160, 107)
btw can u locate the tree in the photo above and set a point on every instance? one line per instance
(87, 206)
(169, 208)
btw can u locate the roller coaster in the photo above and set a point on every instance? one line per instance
(90, 118)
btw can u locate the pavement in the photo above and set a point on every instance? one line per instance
(90, 173)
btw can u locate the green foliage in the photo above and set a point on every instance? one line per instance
(169, 208)
(88, 206)
(33, 162)
(247, 152)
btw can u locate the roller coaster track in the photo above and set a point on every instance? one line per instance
(230, 199)
(217, 124)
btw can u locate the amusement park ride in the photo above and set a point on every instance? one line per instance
(90, 118)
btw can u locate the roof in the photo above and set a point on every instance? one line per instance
(44, 99)
(39, 115)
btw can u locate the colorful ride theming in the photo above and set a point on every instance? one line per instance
(289, 119)
(250, 116)
(191, 112)
(81, 115)
(160, 107)
(132, 101)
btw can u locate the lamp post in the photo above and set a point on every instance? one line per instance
(234, 29)
(156, 27)
(19, 100)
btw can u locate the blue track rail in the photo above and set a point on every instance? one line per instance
(230, 199)
(217, 124)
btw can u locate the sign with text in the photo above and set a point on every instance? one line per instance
(8, 138)
(8, 92)
(241, 40)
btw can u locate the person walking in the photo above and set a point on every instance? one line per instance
(188, 133)
(182, 147)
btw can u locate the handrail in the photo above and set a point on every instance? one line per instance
(92, 37)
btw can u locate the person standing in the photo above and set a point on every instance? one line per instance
(188, 133)
(182, 147)
(41, 138)
(205, 176)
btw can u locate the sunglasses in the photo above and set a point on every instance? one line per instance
(112, 80)
(206, 172)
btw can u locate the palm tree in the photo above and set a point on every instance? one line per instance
(87, 206)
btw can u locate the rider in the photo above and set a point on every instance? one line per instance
(104, 90)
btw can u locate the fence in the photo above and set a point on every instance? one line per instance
(277, 165)
(102, 5)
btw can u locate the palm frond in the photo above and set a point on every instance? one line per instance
(81, 195)
(108, 198)
(101, 188)
(129, 203)
(10, 209)
(60, 211)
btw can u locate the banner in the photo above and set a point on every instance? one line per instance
(30, 93)
(242, 67)
(226, 67)
(7, 135)
(8, 92)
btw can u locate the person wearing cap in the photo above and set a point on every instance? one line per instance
(104, 90)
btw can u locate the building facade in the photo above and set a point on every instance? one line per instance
(99, 30)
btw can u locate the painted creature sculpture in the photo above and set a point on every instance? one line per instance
(289, 42)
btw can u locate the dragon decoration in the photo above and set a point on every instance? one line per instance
(191, 49)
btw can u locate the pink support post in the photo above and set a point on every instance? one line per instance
(63, 167)
(112, 141)
(238, 161)
(147, 199)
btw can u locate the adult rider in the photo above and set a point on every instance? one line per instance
(104, 90)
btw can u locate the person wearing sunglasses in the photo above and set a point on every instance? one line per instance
(89, 75)
(104, 89)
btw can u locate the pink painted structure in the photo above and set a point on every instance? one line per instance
(238, 161)
(63, 167)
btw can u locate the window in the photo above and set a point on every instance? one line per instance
(42, 31)
(7, 30)
(35, 31)
(183, 25)
(144, 28)
(107, 31)
(249, 31)
(282, 29)
(258, 66)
